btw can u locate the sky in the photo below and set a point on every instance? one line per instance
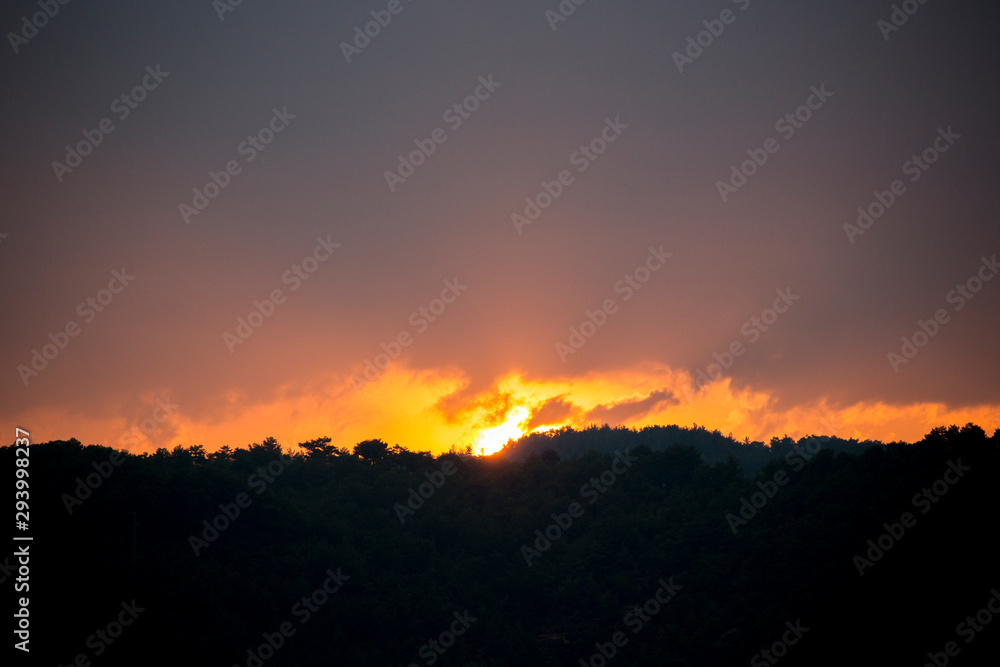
(450, 223)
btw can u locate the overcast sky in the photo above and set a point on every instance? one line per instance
(695, 165)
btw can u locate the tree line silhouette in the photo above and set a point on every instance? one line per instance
(330, 511)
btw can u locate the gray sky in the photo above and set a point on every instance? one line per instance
(494, 348)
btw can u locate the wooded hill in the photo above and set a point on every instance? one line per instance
(563, 547)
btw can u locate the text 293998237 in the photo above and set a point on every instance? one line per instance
(21, 518)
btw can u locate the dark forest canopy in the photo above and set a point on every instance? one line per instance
(548, 546)
(712, 445)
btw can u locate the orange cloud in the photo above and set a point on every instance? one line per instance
(432, 409)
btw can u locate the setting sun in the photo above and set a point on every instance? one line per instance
(493, 439)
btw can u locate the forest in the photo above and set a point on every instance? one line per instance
(603, 546)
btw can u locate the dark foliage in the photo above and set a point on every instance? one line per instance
(667, 514)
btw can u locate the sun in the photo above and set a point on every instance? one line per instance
(493, 439)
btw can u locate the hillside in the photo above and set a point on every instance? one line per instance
(869, 557)
(713, 446)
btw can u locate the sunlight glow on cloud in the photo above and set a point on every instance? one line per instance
(429, 410)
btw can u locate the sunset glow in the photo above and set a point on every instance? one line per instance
(443, 250)
(433, 412)
(493, 439)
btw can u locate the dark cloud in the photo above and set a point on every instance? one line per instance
(619, 413)
(553, 411)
